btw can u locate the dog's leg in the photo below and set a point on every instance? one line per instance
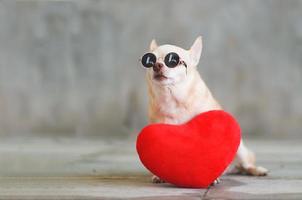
(245, 162)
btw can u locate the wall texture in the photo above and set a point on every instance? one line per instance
(72, 67)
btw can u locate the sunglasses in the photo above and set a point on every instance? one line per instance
(171, 60)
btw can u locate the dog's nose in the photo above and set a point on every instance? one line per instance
(157, 67)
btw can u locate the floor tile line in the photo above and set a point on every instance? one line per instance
(205, 193)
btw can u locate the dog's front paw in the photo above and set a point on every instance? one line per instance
(217, 181)
(156, 179)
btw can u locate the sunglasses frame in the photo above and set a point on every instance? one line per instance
(180, 62)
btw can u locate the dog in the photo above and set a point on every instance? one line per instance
(177, 93)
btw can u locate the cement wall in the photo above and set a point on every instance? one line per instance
(72, 67)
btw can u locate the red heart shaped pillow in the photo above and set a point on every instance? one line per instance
(193, 154)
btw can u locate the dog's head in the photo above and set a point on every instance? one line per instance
(170, 64)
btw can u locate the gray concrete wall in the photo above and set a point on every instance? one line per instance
(72, 67)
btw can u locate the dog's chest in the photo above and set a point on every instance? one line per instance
(175, 107)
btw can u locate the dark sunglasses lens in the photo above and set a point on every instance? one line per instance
(148, 60)
(172, 59)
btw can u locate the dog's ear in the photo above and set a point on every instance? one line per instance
(153, 45)
(195, 51)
